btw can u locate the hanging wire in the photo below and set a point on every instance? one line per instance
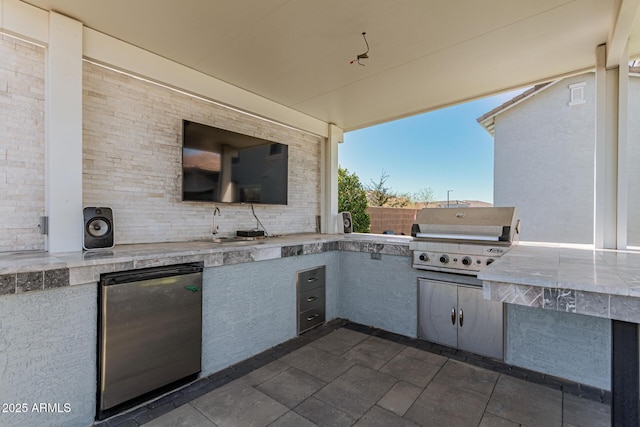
(364, 55)
(259, 222)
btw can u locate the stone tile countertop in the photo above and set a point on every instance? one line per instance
(39, 270)
(571, 278)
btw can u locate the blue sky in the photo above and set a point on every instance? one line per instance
(444, 150)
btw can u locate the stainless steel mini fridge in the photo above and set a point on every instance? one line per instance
(150, 331)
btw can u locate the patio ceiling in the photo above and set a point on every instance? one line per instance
(425, 54)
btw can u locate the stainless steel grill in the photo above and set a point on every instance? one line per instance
(462, 240)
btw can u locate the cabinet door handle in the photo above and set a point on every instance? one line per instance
(310, 318)
(453, 315)
(461, 316)
(312, 279)
(311, 299)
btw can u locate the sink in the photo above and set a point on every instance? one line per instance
(235, 241)
(228, 240)
(231, 241)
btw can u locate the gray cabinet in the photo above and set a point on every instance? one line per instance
(458, 316)
(310, 285)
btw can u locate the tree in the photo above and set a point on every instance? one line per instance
(423, 196)
(399, 200)
(377, 193)
(352, 198)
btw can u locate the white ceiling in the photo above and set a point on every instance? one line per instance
(425, 54)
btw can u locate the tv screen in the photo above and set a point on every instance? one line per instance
(228, 167)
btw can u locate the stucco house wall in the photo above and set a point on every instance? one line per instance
(544, 163)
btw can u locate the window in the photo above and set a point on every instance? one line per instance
(577, 93)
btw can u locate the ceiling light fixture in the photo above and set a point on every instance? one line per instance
(362, 55)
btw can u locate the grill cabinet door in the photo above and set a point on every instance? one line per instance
(438, 312)
(480, 327)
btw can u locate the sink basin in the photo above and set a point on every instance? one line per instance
(235, 241)
(228, 240)
(231, 241)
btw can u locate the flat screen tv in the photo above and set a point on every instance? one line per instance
(227, 167)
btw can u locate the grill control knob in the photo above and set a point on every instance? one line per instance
(424, 257)
(466, 261)
(490, 260)
(444, 259)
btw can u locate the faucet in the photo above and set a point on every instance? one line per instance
(216, 210)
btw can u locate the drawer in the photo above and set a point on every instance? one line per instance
(311, 299)
(310, 318)
(310, 279)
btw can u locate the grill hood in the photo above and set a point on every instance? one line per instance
(468, 225)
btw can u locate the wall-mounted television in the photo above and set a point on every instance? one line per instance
(227, 167)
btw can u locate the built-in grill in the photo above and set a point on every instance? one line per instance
(450, 246)
(462, 240)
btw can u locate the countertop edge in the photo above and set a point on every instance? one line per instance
(581, 280)
(29, 271)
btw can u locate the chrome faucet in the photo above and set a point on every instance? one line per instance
(216, 210)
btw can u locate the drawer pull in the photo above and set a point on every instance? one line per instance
(312, 279)
(310, 318)
(311, 299)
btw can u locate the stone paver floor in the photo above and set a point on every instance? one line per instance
(348, 378)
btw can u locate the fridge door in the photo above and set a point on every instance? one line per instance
(150, 335)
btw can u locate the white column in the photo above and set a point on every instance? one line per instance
(605, 197)
(329, 179)
(64, 134)
(623, 167)
(610, 231)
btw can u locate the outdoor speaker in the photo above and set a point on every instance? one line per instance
(346, 226)
(98, 228)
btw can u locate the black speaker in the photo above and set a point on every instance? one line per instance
(345, 224)
(98, 228)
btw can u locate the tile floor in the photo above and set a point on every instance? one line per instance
(350, 378)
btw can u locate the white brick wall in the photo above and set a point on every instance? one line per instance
(22, 144)
(132, 152)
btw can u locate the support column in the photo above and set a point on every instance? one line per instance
(329, 179)
(606, 154)
(623, 166)
(625, 391)
(63, 193)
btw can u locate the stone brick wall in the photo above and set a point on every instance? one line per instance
(397, 219)
(22, 144)
(132, 154)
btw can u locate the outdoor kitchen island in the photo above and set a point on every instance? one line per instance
(48, 310)
(580, 281)
(49, 307)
